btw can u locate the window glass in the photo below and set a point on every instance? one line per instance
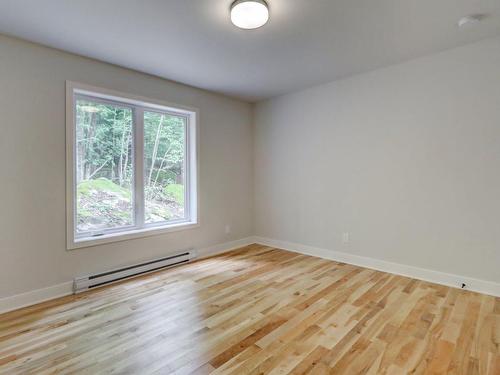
(134, 168)
(164, 166)
(104, 166)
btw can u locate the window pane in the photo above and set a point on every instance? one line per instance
(164, 170)
(104, 166)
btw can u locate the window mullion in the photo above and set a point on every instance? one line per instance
(139, 166)
(187, 169)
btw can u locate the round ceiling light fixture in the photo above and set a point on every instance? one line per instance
(249, 14)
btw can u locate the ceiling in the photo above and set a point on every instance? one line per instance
(306, 42)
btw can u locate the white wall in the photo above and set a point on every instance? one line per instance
(32, 165)
(406, 159)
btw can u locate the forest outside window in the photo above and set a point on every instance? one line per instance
(132, 169)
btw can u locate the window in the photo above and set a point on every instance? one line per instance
(131, 166)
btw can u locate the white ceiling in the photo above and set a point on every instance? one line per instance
(306, 42)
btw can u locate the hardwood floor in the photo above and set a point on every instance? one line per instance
(258, 310)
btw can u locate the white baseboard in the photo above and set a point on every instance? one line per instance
(455, 281)
(35, 296)
(41, 295)
(481, 286)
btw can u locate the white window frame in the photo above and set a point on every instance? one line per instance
(138, 105)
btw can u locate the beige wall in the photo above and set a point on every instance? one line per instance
(32, 165)
(406, 159)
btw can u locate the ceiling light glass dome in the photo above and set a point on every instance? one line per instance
(249, 14)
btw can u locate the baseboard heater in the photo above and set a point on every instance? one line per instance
(81, 284)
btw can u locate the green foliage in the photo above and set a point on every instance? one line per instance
(163, 148)
(168, 133)
(102, 185)
(176, 192)
(166, 177)
(104, 142)
(103, 204)
(104, 137)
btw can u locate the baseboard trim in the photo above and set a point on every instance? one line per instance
(481, 286)
(34, 297)
(451, 280)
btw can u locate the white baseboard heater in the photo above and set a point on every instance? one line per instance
(81, 284)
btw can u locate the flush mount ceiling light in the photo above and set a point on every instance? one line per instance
(249, 14)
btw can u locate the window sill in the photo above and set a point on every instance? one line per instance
(79, 243)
